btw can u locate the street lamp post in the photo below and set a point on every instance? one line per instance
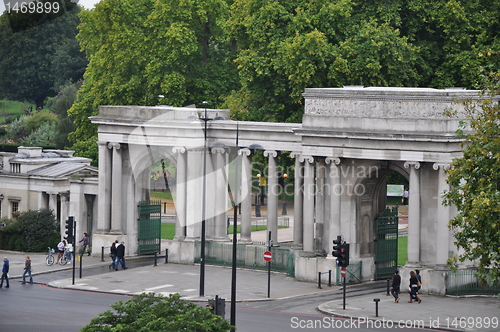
(257, 200)
(284, 212)
(204, 198)
(235, 218)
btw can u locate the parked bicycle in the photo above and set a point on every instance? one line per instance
(50, 258)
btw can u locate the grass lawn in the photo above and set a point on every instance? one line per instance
(167, 231)
(10, 108)
(402, 250)
(162, 195)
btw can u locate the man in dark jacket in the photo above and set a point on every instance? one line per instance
(5, 271)
(120, 256)
(396, 286)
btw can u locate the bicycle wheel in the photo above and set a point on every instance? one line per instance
(50, 260)
(63, 260)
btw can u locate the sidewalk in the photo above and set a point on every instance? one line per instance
(437, 312)
(450, 313)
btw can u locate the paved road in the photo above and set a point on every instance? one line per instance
(463, 314)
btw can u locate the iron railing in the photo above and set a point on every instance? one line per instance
(247, 256)
(465, 282)
(354, 274)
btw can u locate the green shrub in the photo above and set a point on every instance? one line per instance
(31, 231)
(36, 120)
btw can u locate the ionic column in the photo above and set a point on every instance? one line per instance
(194, 194)
(246, 196)
(272, 198)
(64, 207)
(220, 232)
(414, 213)
(104, 199)
(180, 193)
(335, 196)
(308, 203)
(443, 216)
(116, 190)
(298, 201)
(320, 204)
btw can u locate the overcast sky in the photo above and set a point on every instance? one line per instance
(85, 3)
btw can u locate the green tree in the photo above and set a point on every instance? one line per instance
(474, 185)
(26, 57)
(30, 230)
(286, 46)
(60, 105)
(148, 313)
(137, 49)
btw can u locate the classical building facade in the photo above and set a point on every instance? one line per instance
(34, 179)
(349, 140)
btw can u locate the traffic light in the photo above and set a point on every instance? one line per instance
(344, 255)
(336, 246)
(69, 230)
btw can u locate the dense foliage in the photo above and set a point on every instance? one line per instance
(150, 313)
(36, 61)
(474, 186)
(255, 57)
(31, 231)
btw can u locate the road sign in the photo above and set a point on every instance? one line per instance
(268, 256)
(342, 272)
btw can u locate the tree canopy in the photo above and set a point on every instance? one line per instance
(255, 57)
(28, 70)
(474, 185)
(150, 313)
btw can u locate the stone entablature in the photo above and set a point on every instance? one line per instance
(386, 109)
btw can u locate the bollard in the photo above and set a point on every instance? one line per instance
(376, 306)
(319, 280)
(388, 287)
(102, 254)
(156, 257)
(166, 256)
(329, 278)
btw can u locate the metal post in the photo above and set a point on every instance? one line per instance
(269, 269)
(235, 227)
(81, 262)
(343, 305)
(319, 280)
(376, 306)
(166, 256)
(329, 278)
(165, 207)
(102, 254)
(156, 257)
(203, 222)
(388, 287)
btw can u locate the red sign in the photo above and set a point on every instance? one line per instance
(268, 256)
(342, 272)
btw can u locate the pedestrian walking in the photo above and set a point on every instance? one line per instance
(419, 278)
(27, 269)
(69, 251)
(85, 241)
(5, 272)
(396, 286)
(112, 254)
(414, 288)
(120, 256)
(406, 194)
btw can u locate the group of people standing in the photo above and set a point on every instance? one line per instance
(117, 253)
(415, 285)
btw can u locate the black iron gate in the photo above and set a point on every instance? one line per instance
(386, 243)
(149, 227)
